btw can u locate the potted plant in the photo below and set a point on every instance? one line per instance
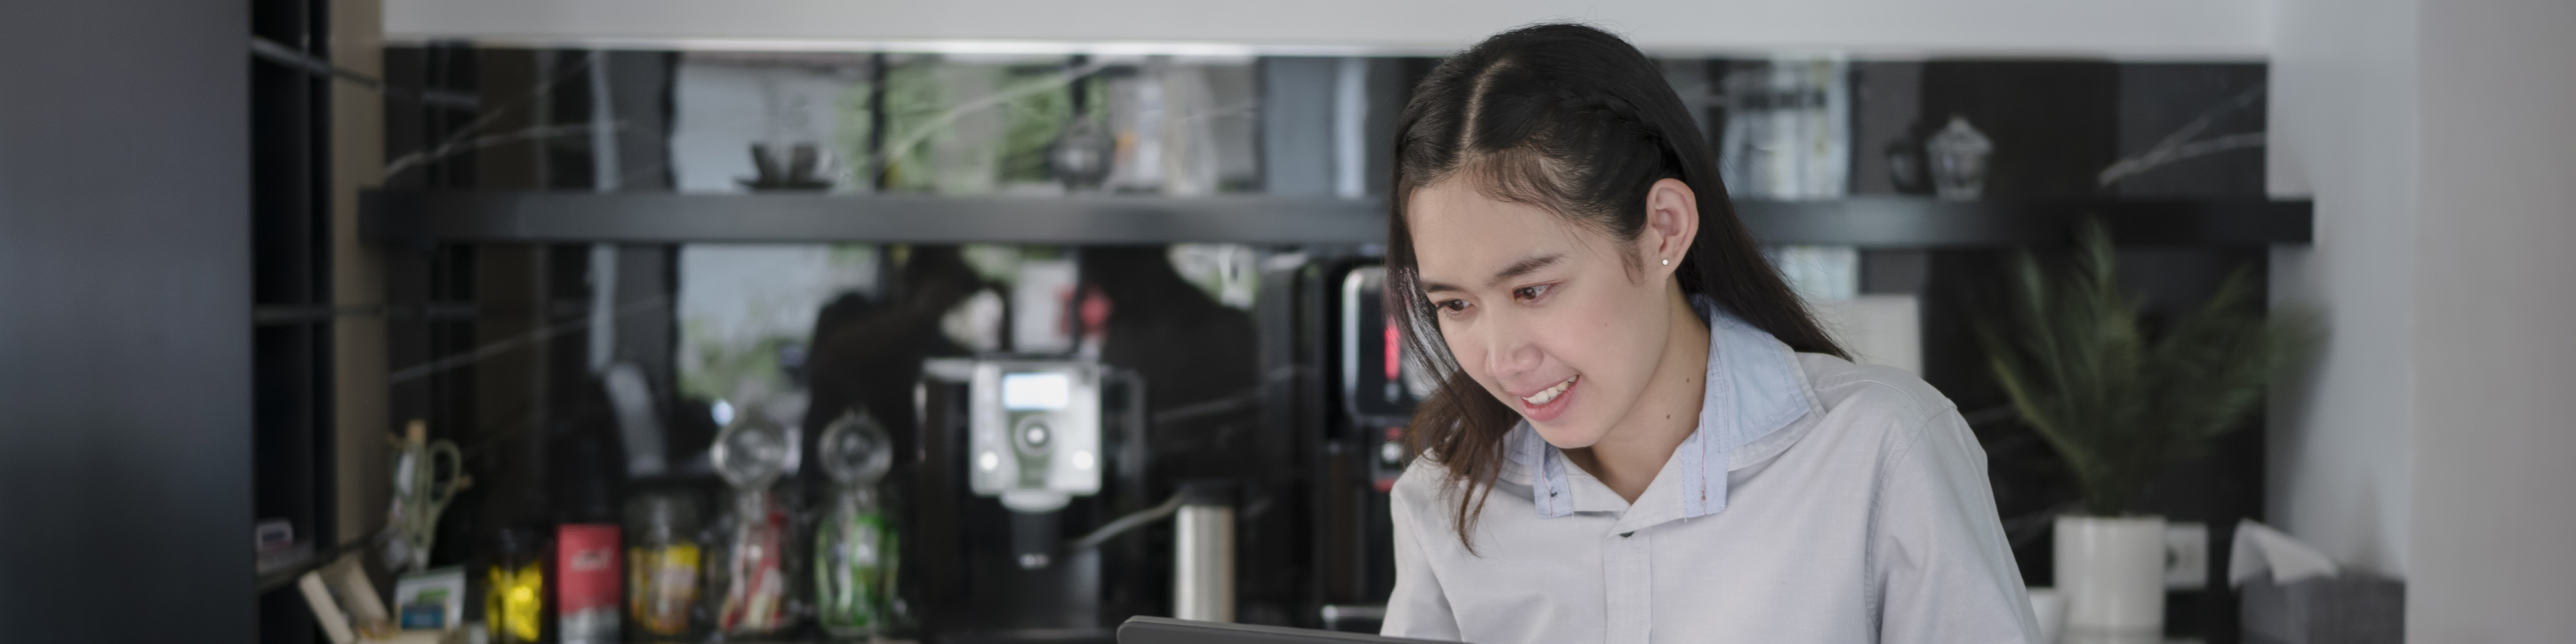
(2121, 402)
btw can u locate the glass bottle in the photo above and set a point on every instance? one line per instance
(588, 562)
(586, 578)
(854, 548)
(514, 602)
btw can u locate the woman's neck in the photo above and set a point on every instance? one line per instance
(1629, 455)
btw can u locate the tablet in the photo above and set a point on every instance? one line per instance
(1165, 630)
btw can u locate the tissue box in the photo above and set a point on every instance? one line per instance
(2353, 608)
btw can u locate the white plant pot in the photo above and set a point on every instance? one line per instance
(2112, 571)
(2049, 606)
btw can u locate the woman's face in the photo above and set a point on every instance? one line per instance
(1549, 316)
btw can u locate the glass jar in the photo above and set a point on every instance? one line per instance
(757, 565)
(854, 556)
(663, 560)
(752, 454)
(854, 548)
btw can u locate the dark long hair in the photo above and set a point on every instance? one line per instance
(1575, 121)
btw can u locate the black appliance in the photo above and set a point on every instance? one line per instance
(1371, 388)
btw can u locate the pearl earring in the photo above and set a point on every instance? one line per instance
(1668, 262)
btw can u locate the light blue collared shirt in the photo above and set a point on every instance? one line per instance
(1834, 503)
(1754, 389)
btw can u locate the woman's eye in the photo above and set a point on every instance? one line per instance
(1452, 306)
(1527, 293)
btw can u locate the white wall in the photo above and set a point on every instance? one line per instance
(2493, 551)
(2343, 121)
(2439, 440)
(2120, 28)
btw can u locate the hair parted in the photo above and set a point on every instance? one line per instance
(1575, 121)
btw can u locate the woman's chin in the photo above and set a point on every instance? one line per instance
(1565, 435)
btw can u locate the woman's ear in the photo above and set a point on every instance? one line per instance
(1672, 223)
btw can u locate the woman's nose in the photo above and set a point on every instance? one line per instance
(1509, 352)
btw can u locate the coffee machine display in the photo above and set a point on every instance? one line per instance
(1035, 433)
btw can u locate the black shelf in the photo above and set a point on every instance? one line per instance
(670, 217)
(1903, 222)
(1878, 222)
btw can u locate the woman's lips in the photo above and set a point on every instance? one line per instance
(1548, 403)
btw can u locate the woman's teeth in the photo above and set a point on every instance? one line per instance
(1550, 394)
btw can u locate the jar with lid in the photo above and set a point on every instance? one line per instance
(854, 548)
(752, 454)
(664, 563)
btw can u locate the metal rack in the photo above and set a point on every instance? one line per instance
(639, 217)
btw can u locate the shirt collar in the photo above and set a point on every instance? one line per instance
(1755, 388)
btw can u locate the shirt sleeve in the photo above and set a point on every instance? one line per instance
(1944, 570)
(1417, 608)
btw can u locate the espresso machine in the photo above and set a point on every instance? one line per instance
(1021, 457)
(1049, 501)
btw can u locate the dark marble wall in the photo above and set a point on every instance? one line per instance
(2057, 127)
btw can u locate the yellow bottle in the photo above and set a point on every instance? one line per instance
(514, 608)
(514, 605)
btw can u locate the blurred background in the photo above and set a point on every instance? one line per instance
(1003, 321)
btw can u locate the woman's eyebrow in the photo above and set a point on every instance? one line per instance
(1526, 266)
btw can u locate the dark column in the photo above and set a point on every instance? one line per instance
(125, 322)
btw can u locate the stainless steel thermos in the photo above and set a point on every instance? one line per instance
(1203, 553)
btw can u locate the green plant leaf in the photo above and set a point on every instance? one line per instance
(2119, 405)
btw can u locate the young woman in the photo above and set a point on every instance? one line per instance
(1642, 435)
